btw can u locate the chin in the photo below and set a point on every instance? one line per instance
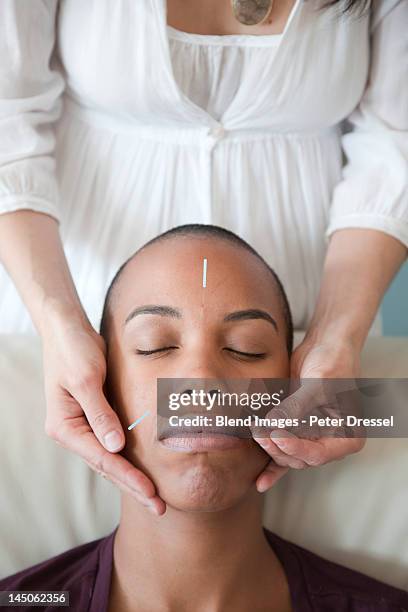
(205, 488)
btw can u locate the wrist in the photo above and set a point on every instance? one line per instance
(337, 332)
(332, 352)
(56, 313)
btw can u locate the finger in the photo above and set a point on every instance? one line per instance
(291, 462)
(130, 480)
(75, 435)
(312, 394)
(155, 504)
(280, 458)
(318, 452)
(271, 474)
(102, 418)
(299, 403)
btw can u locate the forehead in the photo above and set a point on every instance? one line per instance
(192, 272)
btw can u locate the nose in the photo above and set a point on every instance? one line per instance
(210, 386)
(200, 360)
(200, 372)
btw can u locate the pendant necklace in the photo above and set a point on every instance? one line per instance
(251, 12)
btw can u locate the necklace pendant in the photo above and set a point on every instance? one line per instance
(251, 12)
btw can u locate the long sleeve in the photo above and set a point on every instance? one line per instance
(30, 102)
(373, 192)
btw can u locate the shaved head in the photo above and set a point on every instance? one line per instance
(214, 232)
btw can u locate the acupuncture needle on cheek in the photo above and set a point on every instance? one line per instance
(138, 420)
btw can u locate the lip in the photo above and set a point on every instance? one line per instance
(202, 442)
(192, 431)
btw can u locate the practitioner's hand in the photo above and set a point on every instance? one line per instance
(317, 361)
(78, 414)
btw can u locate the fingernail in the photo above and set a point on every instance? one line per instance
(150, 506)
(113, 441)
(264, 442)
(277, 434)
(282, 444)
(261, 488)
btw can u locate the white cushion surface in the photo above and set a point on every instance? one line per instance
(353, 511)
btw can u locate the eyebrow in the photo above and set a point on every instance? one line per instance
(154, 309)
(174, 313)
(253, 313)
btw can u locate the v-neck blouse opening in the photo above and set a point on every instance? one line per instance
(239, 40)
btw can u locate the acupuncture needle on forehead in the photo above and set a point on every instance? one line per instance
(204, 272)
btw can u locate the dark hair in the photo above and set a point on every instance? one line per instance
(202, 230)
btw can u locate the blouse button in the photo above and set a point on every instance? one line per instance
(214, 135)
(217, 132)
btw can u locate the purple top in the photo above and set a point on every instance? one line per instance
(314, 583)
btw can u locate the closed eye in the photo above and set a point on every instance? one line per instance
(153, 351)
(230, 350)
(247, 355)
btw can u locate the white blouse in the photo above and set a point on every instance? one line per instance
(210, 69)
(120, 127)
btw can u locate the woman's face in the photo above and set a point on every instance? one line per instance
(165, 324)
